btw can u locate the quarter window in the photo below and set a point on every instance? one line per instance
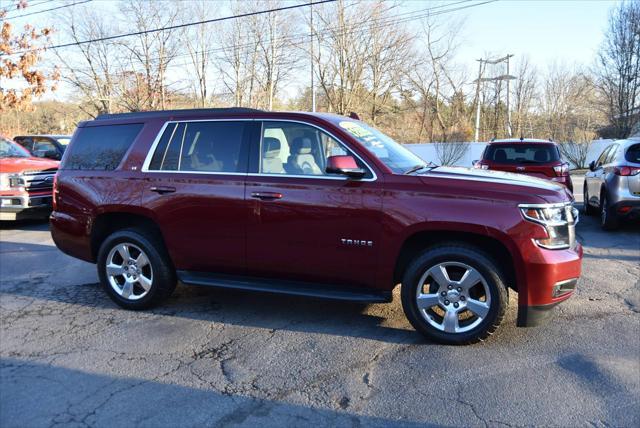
(100, 147)
(213, 146)
(290, 148)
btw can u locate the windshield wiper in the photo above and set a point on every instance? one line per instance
(417, 168)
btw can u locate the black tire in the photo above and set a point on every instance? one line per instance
(608, 216)
(163, 274)
(469, 256)
(588, 209)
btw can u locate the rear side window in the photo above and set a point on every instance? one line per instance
(100, 147)
(633, 154)
(522, 153)
(214, 146)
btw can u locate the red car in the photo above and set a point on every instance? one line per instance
(310, 204)
(26, 183)
(537, 158)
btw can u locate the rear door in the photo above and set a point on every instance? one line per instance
(196, 173)
(306, 224)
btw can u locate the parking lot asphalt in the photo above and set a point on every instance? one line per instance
(69, 356)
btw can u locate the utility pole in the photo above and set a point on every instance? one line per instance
(313, 86)
(508, 92)
(477, 133)
(494, 79)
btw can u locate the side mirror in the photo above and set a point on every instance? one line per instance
(592, 165)
(345, 165)
(52, 154)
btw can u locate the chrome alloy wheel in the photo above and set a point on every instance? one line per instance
(453, 297)
(129, 271)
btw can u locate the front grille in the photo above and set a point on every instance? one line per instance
(39, 181)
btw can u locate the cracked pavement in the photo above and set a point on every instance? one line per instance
(70, 357)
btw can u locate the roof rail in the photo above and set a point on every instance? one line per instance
(183, 112)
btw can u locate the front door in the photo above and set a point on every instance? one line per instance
(307, 225)
(195, 187)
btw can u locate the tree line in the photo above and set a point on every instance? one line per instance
(398, 69)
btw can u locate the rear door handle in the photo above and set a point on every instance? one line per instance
(266, 196)
(163, 189)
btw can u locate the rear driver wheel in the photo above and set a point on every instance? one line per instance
(135, 270)
(454, 294)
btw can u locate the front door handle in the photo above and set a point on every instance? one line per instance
(266, 196)
(163, 189)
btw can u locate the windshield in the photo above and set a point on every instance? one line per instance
(397, 158)
(12, 150)
(521, 153)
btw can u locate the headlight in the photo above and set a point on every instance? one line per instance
(559, 221)
(11, 181)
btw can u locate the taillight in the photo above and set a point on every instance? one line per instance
(626, 171)
(561, 170)
(55, 191)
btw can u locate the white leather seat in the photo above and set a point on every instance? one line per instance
(301, 160)
(271, 162)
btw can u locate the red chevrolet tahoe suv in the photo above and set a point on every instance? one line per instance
(309, 204)
(537, 158)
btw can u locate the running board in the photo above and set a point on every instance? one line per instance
(322, 291)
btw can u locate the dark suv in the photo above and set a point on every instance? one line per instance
(309, 204)
(537, 158)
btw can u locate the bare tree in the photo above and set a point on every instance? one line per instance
(94, 70)
(277, 59)
(342, 54)
(619, 67)
(576, 152)
(150, 53)
(388, 59)
(199, 41)
(524, 95)
(238, 60)
(451, 152)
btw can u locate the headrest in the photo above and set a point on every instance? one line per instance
(301, 146)
(271, 147)
(500, 155)
(541, 156)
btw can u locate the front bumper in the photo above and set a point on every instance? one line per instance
(548, 278)
(25, 206)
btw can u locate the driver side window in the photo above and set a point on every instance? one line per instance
(290, 148)
(603, 156)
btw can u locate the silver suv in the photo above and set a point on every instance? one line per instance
(612, 186)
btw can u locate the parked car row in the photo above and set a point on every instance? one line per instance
(611, 186)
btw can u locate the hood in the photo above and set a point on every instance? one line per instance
(18, 165)
(505, 181)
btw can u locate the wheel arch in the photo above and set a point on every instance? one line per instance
(496, 248)
(108, 222)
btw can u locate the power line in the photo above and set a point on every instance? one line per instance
(355, 29)
(174, 27)
(9, 9)
(45, 10)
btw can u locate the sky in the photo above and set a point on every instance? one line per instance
(545, 31)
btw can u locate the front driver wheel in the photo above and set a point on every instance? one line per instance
(454, 294)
